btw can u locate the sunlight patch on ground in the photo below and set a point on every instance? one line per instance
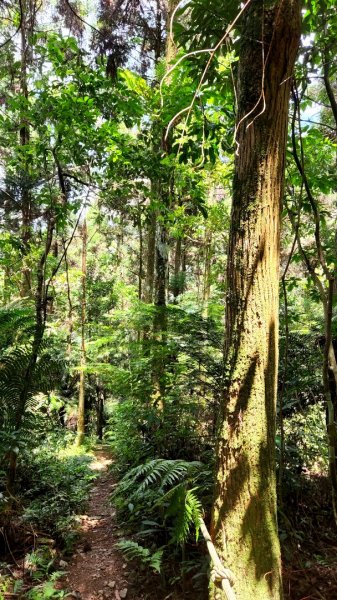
(90, 522)
(100, 464)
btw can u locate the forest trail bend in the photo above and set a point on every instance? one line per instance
(97, 571)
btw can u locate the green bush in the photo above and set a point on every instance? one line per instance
(163, 501)
(56, 483)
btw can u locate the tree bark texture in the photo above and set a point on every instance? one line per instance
(244, 524)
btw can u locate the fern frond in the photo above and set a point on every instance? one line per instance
(16, 323)
(160, 472)
(166, 484)
(17, 413)
(132, 551)
(186, 509)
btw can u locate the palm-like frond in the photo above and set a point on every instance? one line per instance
(159, 473)
(169, 485)
(18, 415)
(132, 551)
(16, 324)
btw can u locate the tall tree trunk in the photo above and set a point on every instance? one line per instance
(148, 295)
(162, 188)
(161, 266)
(26, 200)
(70, 304)
(160, 318)
(140, 262)
(179, 273)
(330, 398)
(100, 398)
(326, 289)
(150, 261)
(244, 523)
(208, 254)
(81, 397)
(150, 258)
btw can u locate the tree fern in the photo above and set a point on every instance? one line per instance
(16, 323)
(14, 362)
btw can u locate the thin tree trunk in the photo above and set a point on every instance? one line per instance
(70, 306)
(178, 275)
(140, 262)
(163, 188)
(81, 398)
(150, 259)
(100, 397)
(161, 266)
(244, 523)
(26, 201)
(331, 409)
(160, 319)
(208, 255)
(148, 295)
(326, 296)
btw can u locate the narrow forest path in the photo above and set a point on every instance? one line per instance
(97, 570)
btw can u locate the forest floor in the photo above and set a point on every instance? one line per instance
(97, 570)
(310, 552)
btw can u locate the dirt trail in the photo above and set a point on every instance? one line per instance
(97, 569)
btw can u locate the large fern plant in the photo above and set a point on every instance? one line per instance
(19, 421)
(163, 496)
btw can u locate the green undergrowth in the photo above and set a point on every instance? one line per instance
(53, 483)
(58, 489)
(160, 504)
(160, 427)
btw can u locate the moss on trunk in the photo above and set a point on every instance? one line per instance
(244, 525)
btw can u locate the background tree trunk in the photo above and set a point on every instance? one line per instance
(100, 398)
(244, 519)
(179, 274)
(81, 398)
(26, 199)
(150, 259)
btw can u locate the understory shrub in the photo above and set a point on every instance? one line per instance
(161, 503)
(56, 481)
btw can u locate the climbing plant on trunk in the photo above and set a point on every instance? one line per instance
(244, 517)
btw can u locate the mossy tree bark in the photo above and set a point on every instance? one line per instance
(244, 524)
